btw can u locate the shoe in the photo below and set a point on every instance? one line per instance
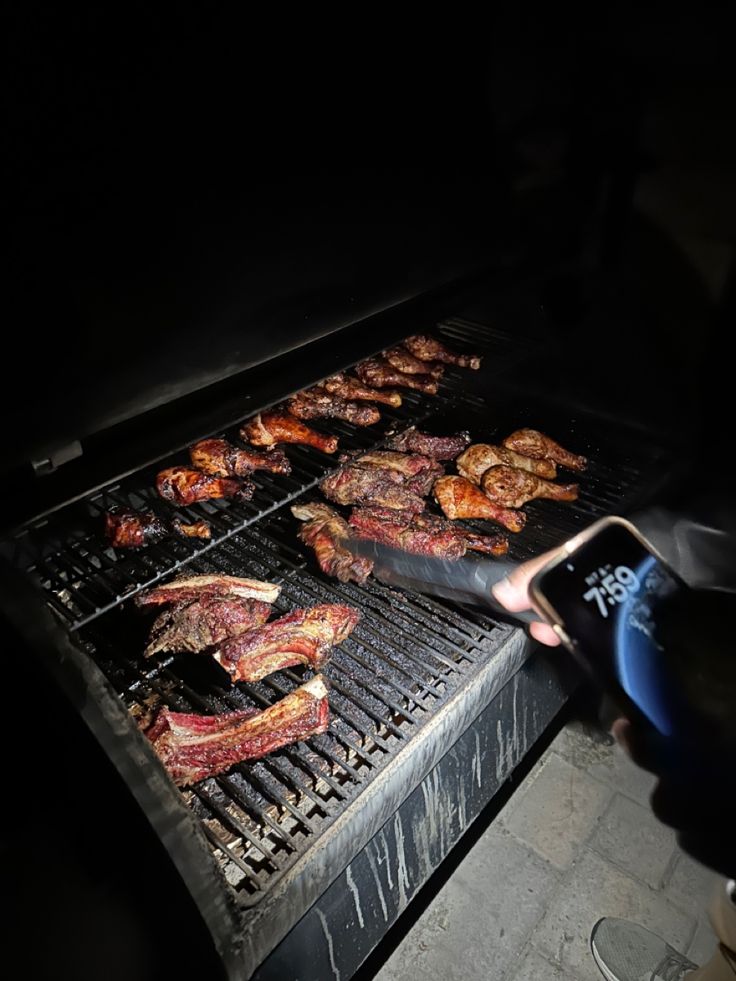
(625, 951)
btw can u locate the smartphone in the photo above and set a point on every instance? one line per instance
(605, 596)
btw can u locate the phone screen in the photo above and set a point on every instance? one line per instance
(610, 596)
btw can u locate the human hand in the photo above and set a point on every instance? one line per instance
(513, 594)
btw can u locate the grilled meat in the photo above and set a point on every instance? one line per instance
(193, 747)
(358, 485)
(415, 472)
(197, 529)
(190, 588)
(422, 534)
(133, 529)
(324, 530)
(300, 637)
(270, 428)
(437, 447)
(532, 443)
(479, 457)
(399, 358)
(318, 403)
(350, 388)
(180, 485)
(380, 374)
(511, 487)
(458, 498)
(200, 624)
(221, 459)
(427, 348)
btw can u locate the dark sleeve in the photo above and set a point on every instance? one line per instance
(699, 543)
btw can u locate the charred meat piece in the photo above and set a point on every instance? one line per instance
(270, 428)
(380, 374)
(358, 485)
(221, 459)
(204, 622)
(495, 544)
(190, 588)
(427, 348)
(416, 472)
(350, 388)
(422, 534)
(193, 747)
(480, 457)
(530, 442)
(401, 359)
(197, 529)
(511, 487)
(180, 485)
(133, 529)
(458, 498)
(318, 403)
(324, 530)
(301, 637)
(437, 447)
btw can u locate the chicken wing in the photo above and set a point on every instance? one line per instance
(324, 530)
(458, 498)
(181, 485)
(318, 403)
(270, 428)
(134, 529)
(532, 443)
(427, 348)
(380, 374)
(221, 459)
(511, 487)
(350, 388)
(480, 457)
(438, 447)
(401, 359)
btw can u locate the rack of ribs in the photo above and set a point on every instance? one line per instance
(480, 457)
(269, 428)
(411, 440)
(193, 747)
(304, 636)
(379, 373)
(181, 485)
(190, 588)
(422, 534)
(401, 359)
(458, 498)
(318, 403)
(324, 530)
(510, 487)
(427, 348)
(195, 626)
(532, 443)
(350, 388)
(220, 458)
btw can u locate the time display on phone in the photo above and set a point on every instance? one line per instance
(607, 588)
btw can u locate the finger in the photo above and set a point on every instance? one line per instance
(544, 634)
(513, 591)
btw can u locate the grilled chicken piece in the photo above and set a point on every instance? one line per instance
(318, 403)
(422, 534)
(134, 529)
(398, 357)
(532, 443)
(437, 447)
(300, 637)
(480, 457)
(358, 485)
(511, 487)
(190, 588)
(324, 531)
(204, 622)
(415, 472)
(193, 747)
(458, 498)
(427, 348)
(350, 388)
(180, 485)
(380, 374)
(197, 529)
(270, 428)
(221, 459)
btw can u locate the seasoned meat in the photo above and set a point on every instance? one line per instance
(511, 487)
(300, 637)
(189, 588)
(422, 534)
(458, 498)
(478, 458)
(437, 447)
(532, 443)
(270, 428)
(318, 403)
(206, 621)
(193, 747)
(416, 472)
(133, 529)
(198, 529)
(380, 374)
(399, 358)
(350, 388)
(358, 485)
(180, 485)
(221, 459)
(427, 348)
(325, 531)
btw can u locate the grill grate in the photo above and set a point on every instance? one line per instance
(405, 659)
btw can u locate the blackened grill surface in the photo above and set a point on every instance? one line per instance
(408, 655)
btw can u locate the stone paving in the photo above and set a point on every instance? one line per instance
(576, 841)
